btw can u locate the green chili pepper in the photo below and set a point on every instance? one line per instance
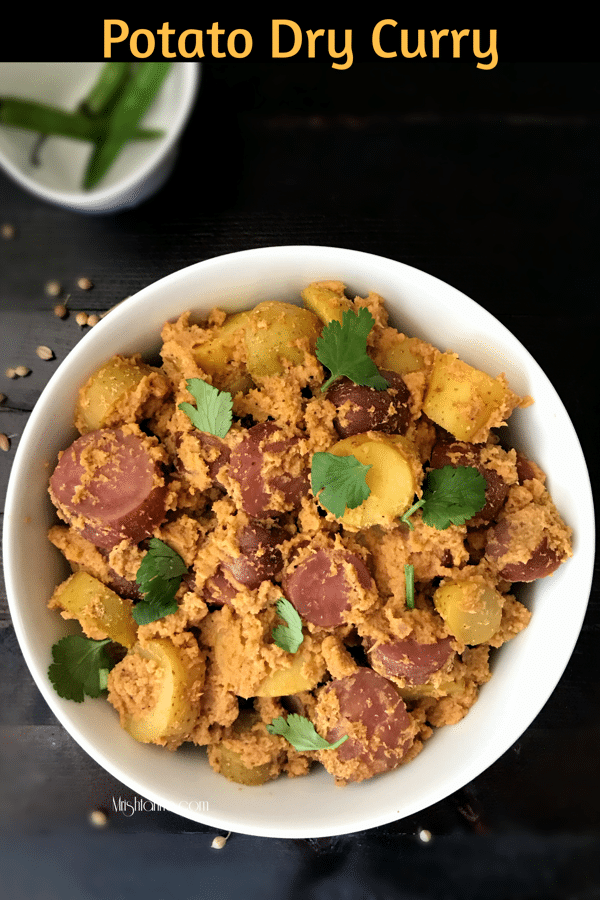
(107, 89)
(135, 100)
(51, 120)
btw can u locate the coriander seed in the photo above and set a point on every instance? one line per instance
(220, 841)
(82, 319)
(85, 284)
(93, 320)
(11, 373)
(8, 231)
(4, 442)
(44, 352)
(53, 289)
(2, 398)
(22, 371)
(425, 835)
(98, 818)
(60, 310)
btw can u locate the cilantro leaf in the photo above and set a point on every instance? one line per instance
(341, 481)
(301, 733)
(452, 496)
(158, 579)
(213, 412)
(288, 636)
(80, 666)
(342, 348)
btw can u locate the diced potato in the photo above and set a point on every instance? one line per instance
(230, 763)
(100, 612)
(446, 687)
(290, 680)
(402, 357)
(219, 359)
(471, 609)
(173, 713)
(326, 299)
(463, 400)
(392, 478)
(104, 392)
(279, 332)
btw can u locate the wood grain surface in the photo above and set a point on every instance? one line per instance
(490, 186)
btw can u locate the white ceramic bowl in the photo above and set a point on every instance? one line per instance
(526, 670)
(141, 168)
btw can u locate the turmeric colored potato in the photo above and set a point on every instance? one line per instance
(231, 762)
(220, 356)
(100, 611)
(392, 478)
(471, 609)
(465, 401)
(154, 690)
(326, 299)
(122, 390)
(279, 333)
(292, 679)
(404, 356)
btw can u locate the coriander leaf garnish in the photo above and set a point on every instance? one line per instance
(409, 581)
(213, 412)
(452, 496)
(288, 636)
(158, 579)
(80, 666)
(301, 733)
(342, 348)
(339, 482)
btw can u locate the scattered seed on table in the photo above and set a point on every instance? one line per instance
(425, 835)
(82, 319)
(11, 373)
(93, 320)
(4, 442)
(53, 289)
(44, 352)
(2, 398)
(220, 841)
(22, 371)
(8, 231)
(98, 818)
(85, 284)
(61, 310)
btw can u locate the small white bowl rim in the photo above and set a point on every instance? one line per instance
(453, 780)
(103, 195)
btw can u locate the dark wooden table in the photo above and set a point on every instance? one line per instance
(488, 182)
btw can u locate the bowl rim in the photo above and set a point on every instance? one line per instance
(99, 196)
(454, 780)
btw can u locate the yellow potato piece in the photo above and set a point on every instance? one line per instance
(463, 400)
(278, 333)
(173, 714)
(220, 358)
(290, 680)
(326, 300)
(100, 612)
(232, 767)
(392, 477)
(101, 395)
(471, 609)
(403, 357)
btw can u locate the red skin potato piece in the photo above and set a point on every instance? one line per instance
(543, 560)
(372, 410)
(246, 465)
(121, 500)
(260, 558)
(218, 590)
(372, 700)
(410, 659)
(319, 588)
(459, 453)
